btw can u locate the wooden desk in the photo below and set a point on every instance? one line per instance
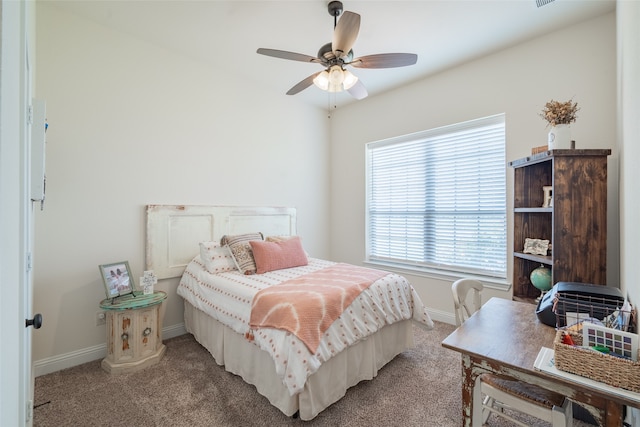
(505, 337)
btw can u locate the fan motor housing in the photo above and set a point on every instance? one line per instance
(326, 53)
(335, 8)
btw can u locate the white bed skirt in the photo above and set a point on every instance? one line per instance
(328, 385)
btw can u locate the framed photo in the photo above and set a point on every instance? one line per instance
(117, 278)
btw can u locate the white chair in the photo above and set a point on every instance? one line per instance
(460, 289)
(504, 392)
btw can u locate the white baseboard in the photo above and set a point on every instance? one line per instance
(68, 360)
(78, 357)
(173, 331)
(442, 316)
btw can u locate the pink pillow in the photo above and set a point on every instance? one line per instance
(271, 256)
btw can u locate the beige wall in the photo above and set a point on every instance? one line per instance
(628, 13)
(578, 62)
(132, 124)
(628, 32)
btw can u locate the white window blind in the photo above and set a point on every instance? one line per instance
(437, 199)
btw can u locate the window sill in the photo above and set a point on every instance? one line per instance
(490, 282)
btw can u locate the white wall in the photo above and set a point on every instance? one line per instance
(628, 34)
(628, 13)
(132, 124)
(578, 62)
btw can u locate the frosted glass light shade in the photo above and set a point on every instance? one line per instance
(322, 80)
(335, 80)
(349, 80)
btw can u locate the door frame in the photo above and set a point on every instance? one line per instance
(16, 391)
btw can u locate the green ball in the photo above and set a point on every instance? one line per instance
(541, 278)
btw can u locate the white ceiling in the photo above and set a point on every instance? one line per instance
(443, 33)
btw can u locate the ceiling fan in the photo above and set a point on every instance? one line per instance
(336, 55)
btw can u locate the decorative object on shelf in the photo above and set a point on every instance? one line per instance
(540, 149)
(559, 115)
(548, 196)
(117, 279)
(536, 246)
(147, 282)
(559, 137)
(541, 279)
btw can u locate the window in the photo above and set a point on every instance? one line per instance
(437, 199)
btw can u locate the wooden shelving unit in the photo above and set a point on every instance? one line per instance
(576, 224)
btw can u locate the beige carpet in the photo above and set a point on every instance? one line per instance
(420, 387)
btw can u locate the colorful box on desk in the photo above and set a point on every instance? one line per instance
(587, 300)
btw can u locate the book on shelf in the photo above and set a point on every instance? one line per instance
(540, 149)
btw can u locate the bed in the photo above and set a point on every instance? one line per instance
(299, 374)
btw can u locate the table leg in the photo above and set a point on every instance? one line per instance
(613, 414)
(471, 397)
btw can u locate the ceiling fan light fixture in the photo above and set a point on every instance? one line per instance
(322, 80)
(336, 75)
(335, 79)
(349, 80)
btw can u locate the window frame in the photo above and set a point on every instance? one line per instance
(426, 266)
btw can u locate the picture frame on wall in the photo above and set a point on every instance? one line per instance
(117, 279)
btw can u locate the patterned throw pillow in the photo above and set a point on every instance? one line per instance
(277, 238)
(216, 258)
(241, 250)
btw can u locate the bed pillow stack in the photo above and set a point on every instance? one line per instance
(278, 253)
(241, 250)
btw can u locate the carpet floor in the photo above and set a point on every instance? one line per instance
(420, 387)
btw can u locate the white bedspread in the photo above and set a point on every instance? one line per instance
(227, 298)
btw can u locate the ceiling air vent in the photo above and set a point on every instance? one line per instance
(541, 3)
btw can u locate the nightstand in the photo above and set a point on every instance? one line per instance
(134, 331)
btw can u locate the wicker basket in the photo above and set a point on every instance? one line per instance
(610, 370)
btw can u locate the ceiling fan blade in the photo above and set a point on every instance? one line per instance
(283, 54)
(358, 91)
(385, 60)
(303, 84)
(345, 34)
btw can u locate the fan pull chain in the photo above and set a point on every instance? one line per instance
(335, 106)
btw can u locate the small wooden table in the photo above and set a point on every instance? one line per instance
(505, 337)
(134, 331)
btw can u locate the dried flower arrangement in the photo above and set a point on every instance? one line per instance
(559, 113)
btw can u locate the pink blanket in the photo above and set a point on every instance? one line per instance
(307, 305)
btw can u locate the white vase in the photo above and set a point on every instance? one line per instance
(559, 137)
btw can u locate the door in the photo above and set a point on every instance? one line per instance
(16, 389)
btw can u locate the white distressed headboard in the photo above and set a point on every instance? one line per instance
(174, 231)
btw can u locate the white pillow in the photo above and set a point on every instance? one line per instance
(216, 258)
